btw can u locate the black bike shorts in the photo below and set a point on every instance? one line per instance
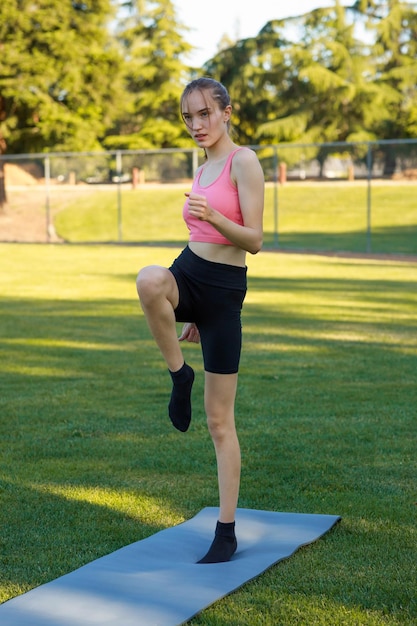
(211, 295)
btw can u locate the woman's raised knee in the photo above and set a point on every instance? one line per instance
(149, 282)
(153, 283)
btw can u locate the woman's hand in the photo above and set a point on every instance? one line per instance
(190, 333)
(198, 207)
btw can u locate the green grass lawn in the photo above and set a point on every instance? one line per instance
(326, 413)
(329, 216)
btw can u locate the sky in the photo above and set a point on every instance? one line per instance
(210, 20)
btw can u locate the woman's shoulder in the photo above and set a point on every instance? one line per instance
(243, 159)
(244, 155)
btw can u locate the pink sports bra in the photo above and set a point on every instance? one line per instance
(222, 195)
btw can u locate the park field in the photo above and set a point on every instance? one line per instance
(326, 414)
(311, 216)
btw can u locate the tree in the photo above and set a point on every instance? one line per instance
(298, 79)
(153, 48)
(58, 75)
(395, 57)
(330, 94)
(245, 69)
(312, 78)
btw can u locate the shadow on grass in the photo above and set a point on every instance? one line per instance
(83, 405)
(389, 240)
(385, 294)
(52, 535)
(392, 240)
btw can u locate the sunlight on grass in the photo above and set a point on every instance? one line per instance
(59, 343)
(146, 509)
(40, 372)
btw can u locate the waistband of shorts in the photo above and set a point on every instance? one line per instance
(211, 272)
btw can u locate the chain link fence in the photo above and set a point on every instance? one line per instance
(333, 197)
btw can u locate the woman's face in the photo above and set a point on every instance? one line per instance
(205, 121)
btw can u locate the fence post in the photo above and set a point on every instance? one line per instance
(195, 161)
(47, 168)
(135, 177)
(119, 195)
(282, 173)
(368, 209)
(276, 236)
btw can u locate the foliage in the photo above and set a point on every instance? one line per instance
(60, 77)
(109, 74)
(152, 44)
(318, 78)
(395, 57)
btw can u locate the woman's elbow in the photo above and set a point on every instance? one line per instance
(256, 246)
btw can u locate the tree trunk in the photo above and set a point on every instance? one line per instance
(390, 161)
(3, 194)
(3, 147)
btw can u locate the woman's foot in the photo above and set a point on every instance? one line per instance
(224, 544)
(179, 407)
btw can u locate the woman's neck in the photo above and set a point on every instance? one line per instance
(220, 152)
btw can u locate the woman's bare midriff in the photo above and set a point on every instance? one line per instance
(219, 253)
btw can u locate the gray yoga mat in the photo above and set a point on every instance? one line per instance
(156, 581)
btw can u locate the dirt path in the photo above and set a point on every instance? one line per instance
(24, 219)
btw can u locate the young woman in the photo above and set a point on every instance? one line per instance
(206, 285)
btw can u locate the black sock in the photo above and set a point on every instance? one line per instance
(179, 407)
(224, 544)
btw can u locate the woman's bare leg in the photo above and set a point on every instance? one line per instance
(158, 294)
(219, 397)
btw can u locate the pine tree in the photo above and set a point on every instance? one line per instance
(58, 75)
(155, 73)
